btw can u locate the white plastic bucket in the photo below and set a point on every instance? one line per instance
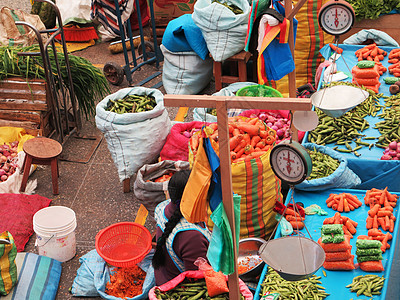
(55, 232)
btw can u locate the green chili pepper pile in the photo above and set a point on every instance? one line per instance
(190, 290)
(389, 128)
(367, 285)
(309, 288)
(131, 104)
(90, 85)
(349, 127)
(236, 10)
(323, 165)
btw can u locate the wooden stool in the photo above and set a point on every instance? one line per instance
(241, 60)
(41, 151)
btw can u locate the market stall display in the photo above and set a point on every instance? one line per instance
(331, 280)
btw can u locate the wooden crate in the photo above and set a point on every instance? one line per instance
(26, 105)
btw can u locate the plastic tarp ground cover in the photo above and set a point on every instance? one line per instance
(223, 31)
(342, 177)
(335, 281)
(134, 139)
(94, 273)
(372, 171)
(185, 73)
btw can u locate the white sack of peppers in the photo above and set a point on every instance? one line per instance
(223, 29)
(134, 139)
(342, 177)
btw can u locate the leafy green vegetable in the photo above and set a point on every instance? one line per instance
(372, 9)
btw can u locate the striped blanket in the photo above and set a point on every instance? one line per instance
(105, 12)
(38, 277)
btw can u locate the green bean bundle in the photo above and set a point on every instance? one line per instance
(323, 165)
(389, 127)
(367, 285)
(309, 288)
(131, 104)
(190, 290)
(89, 83)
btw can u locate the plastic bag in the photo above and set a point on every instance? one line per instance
(342, 177)
(286, 227)
(134, 139)
(223, 31)
(8, 274)
(151, 193)
(215, 281)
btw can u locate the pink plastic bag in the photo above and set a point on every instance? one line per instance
(244, 290)
(176, 145)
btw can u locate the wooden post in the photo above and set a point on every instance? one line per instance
(222, 103)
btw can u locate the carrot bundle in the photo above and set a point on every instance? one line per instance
(371, 52)
(344, 202)
(349, 226)
(394, 60)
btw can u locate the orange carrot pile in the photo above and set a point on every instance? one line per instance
(349, 226)
(248, 137)
(378, 235)
(344, 202)
(371, 52)
(394, 60)
(126, 282)
(294, 218)
(381, 204)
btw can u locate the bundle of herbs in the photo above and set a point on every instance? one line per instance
(372, 9)
(89, 83)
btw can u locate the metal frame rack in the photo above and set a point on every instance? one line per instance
(113, 72)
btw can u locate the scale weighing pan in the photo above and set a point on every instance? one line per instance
(293, 257)
(336, 100)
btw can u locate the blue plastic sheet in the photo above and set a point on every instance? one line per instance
(335, 281)
(372, 171)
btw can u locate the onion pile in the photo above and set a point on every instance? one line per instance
(8, 160)
(276, 122)
(188, 133)
(392, 152)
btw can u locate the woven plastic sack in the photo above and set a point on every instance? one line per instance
(185, 73)
(134, 139)
(151, 193)
(94, 273)
(200, 113)
(379, 37)
(8, 274)
(176, 145)
(343, 177)
(223, 31)
(244, 290)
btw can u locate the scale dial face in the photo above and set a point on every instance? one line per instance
(290, 162)
(336, 17)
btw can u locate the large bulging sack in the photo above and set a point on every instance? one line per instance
(185, 73)
(134, 139)
(223, 30)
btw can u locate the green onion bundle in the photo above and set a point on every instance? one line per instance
(89, 83)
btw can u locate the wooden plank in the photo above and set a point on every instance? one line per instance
(13, 115)
(226, 188)
(20, 104)
(303, 104)
(21, 83)
(19, 124)
(22, 94)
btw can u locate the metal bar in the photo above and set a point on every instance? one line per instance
(157, 50)
(139, 18)
(157, 85)
(122, 33)
(86, 159)
(129, 29)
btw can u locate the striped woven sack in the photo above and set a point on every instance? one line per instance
(8, 269)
